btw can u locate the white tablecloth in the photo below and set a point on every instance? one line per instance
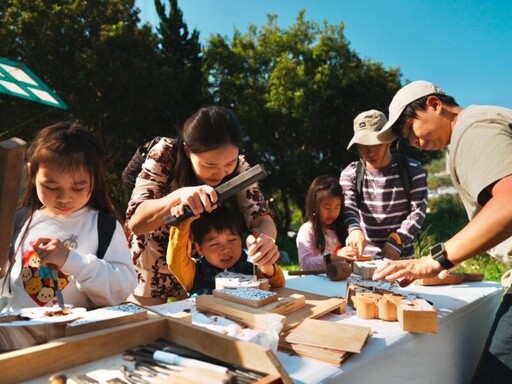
(465, 312)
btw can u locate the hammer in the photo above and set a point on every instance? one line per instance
(338, 270)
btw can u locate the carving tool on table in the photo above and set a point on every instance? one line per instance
(55, 277)
(226, 190)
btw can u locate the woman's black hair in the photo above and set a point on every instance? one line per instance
(208, 129)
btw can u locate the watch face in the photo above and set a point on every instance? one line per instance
(436, 249)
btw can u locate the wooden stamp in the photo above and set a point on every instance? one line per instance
(252, 297)
(417, 316)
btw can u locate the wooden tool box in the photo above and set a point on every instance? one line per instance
(59, 355)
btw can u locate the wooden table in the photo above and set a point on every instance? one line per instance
(465, 311)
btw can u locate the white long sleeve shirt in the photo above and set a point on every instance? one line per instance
(85, 280)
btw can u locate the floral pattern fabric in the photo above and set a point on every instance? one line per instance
(149, 250)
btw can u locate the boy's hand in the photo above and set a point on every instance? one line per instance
(262, 250)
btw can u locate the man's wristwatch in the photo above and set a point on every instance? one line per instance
(438, 253)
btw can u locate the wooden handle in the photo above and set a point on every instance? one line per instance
(310, 272)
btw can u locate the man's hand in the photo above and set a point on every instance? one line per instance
(407, 270)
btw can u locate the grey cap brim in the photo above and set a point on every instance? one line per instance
(369, 138)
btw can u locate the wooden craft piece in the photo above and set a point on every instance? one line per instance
(183, 316)
(255, 318)
(328, 355)
(365, 269)
(452, 278)
(13, 337)
(321, 333)
(316, 306)
(252, 297)
(387, 309)
(77, 350)
(286, 305)
(366, 307)
(239, 280)
(417, 316)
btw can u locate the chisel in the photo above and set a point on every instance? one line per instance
(226, 190)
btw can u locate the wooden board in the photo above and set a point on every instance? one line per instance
(255, 318)
(12, 161)
(452, 278)
(285, 305)
(331, 356)
(321, 333)
(252, 297)
(315, 307)
(16, 337)
(78, 350)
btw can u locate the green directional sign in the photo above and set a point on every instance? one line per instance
(17, 80)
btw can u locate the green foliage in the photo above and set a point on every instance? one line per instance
(296, 91)
(492, 268)
(125, 82)
(434, 183)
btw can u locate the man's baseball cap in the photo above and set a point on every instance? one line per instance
(406, 95)
(366, 128)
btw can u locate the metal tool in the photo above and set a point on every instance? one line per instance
(226, 190)
(256, 233)
(55, 277)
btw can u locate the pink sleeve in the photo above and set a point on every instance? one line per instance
(309, 256)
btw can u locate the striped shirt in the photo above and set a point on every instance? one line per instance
(384, 206)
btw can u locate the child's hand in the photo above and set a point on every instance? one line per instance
(263, 252)
(357, 240)
(197, 199)
(51, 251)
(348, 254)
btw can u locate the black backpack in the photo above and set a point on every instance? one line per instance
(106, 228)
(403, 170)
(132, 169)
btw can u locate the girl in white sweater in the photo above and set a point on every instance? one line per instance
(65, 191)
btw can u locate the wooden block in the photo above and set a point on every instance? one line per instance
(321, 333)
(366, 307)
(252, 297)
(184, 316)
(353, 290)
(316, 306)
(417, 316)
(255, 318)
(365, 269)
(328, 355)
(387, 309)
(450, 279)
(286, 305)
(12, 161)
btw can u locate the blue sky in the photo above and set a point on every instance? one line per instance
(464, 46)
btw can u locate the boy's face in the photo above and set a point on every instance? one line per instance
(221, 249)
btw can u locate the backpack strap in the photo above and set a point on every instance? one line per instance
(106, 227)
(359, 183)
(405, 175)
(20, 218)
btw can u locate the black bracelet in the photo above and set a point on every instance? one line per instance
(327, 258)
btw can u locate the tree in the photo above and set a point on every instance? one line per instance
(112, 73)
(297, 92)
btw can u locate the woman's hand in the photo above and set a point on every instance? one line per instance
(51, 251)
(197, 199)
